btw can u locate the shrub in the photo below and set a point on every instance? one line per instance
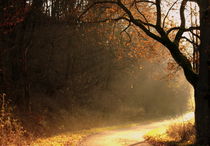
(179, 133)
(11, 131)
(182, 132)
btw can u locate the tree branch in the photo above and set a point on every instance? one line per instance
(94, 4)
(168, 13)
(135, 4)
(191, 41)
(183, 29)
(159, 18)
(182, 25)
(124, 30)
(109, 19)
(182, 60)
(173, 47)
(138, 23)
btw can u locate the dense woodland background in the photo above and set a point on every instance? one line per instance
(59, 72)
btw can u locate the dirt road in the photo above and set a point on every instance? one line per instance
(132, 136)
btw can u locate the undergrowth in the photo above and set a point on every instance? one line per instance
(179, 133)
(11, 131)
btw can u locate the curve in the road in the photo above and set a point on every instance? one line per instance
(132, 136)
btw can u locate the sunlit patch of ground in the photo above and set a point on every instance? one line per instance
(59, 140)
(114, 136)
(73, 139)
(120, 137)
(134, 134)
(179, 132)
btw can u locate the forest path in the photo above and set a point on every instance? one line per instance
(132, 136)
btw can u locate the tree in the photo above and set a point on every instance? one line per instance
(17, 24)
(14, 20)
(202, 96)
(171, 37)
(86, 53)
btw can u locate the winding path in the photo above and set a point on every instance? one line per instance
(132, 136)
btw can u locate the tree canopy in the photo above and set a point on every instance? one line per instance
(138, 14)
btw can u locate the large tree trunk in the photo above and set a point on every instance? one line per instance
(202, 90)
(202, 125)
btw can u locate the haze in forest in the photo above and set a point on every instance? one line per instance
(59, 74)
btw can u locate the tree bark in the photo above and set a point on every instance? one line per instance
(201, 118)
(202, 90)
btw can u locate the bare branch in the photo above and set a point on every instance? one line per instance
(139, 23)
(168, 12)
(109, 19)
(191, 41)
(158, 19)
(94, 4)
(183, 29)
(173, 47)
(182, 25)
(126, 27)
(195, 34)
(125, 9)
(135, 4)
(125, 31)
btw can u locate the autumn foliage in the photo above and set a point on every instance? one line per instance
(12, 13)
(58, 66)
(11, 130)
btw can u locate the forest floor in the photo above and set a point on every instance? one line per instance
(126, 135)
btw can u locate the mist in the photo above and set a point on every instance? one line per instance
(78, 83)
(78, 76)
(102, 91)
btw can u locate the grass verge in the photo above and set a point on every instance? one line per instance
(177, 133)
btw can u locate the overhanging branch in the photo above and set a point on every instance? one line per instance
(183, 29)
(164, 39)
(94, 4)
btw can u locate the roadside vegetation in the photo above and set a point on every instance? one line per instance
(11, 130)
(14, 133)
(178, 133)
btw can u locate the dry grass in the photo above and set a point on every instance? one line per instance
(179, 133)
(182, 132)
(11, 131)
(67, 139)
